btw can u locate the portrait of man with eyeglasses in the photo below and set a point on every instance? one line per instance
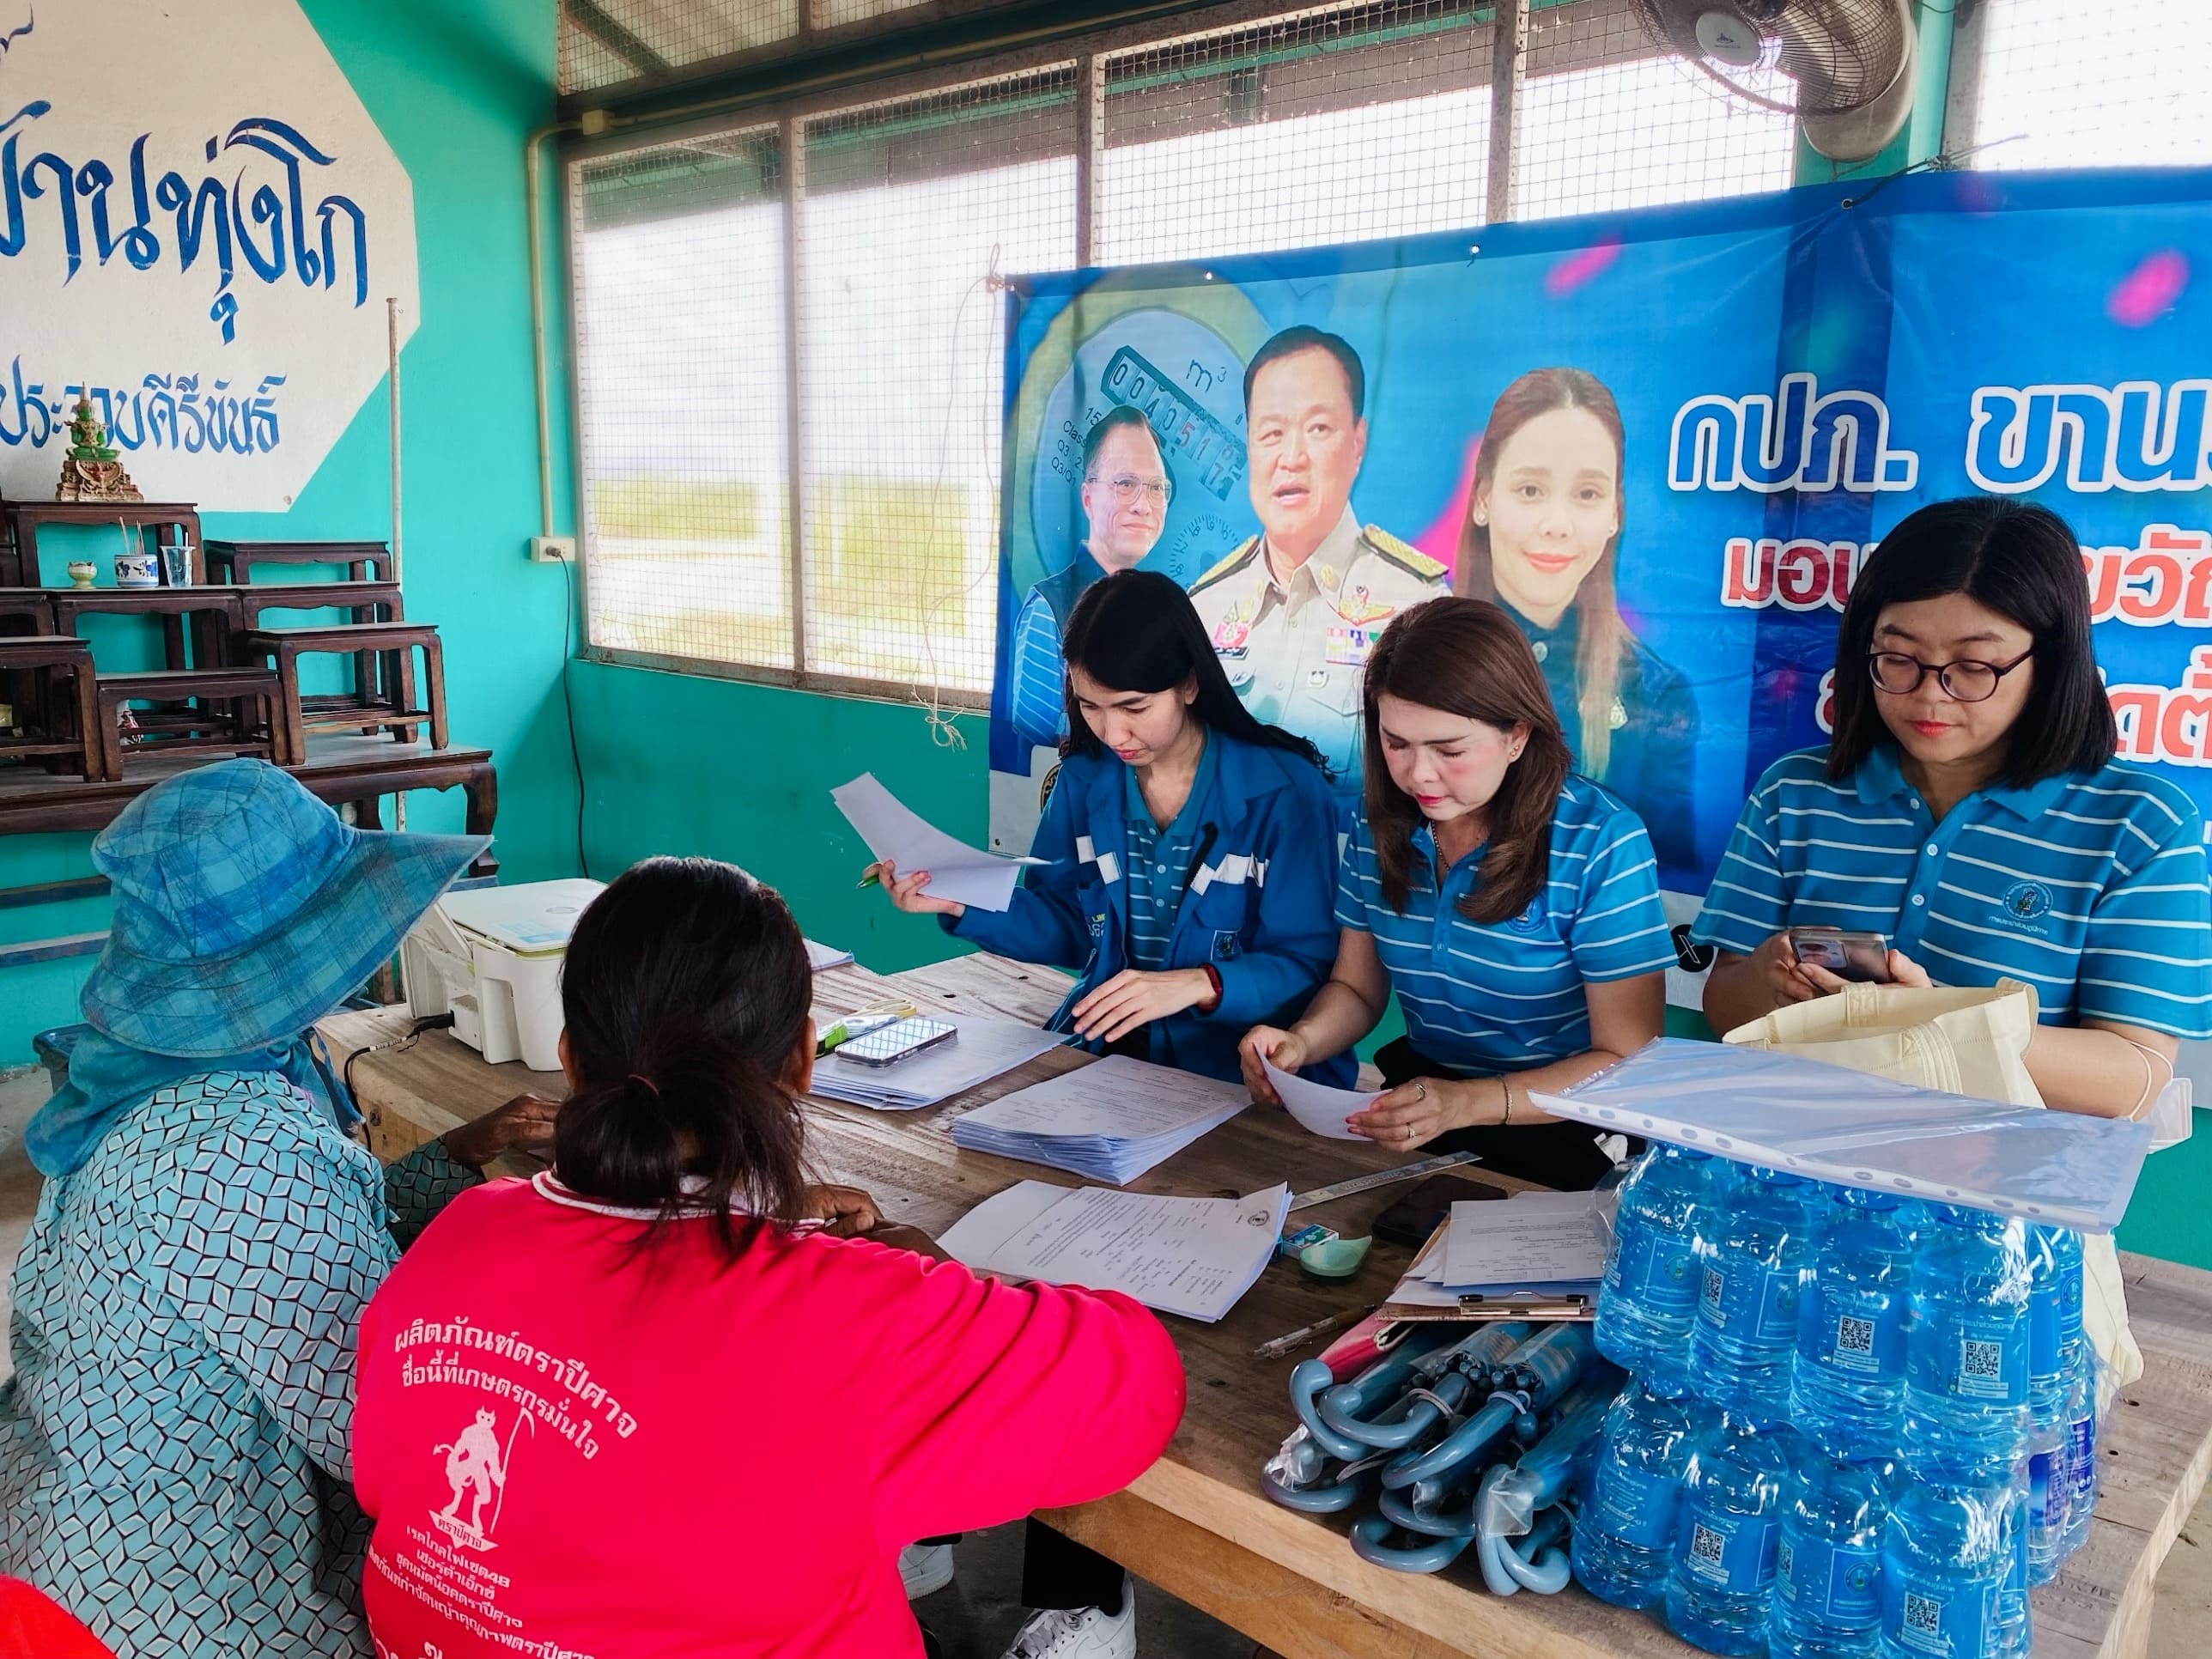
(1294, 610)
(1126, 490)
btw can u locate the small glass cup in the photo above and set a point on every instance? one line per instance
(177, 564)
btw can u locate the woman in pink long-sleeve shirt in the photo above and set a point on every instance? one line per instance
(670, 1399)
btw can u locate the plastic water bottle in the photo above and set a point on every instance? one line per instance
(1753, 1251)
(2054, 1317)
(2054, 1340)
(2082, 1447)
(1965, 1346)
(1648, 1299)
(1950, 1555)
(1722, 1587)
(1827, 1567)
(1624, 1541)
(2050, 1497)
(1847, 1382)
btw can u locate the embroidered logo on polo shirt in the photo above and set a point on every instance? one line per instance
(1530, 921)
(2024, 905)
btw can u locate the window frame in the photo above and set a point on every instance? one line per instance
(1090, 48)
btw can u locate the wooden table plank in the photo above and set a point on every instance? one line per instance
(1196, 1524)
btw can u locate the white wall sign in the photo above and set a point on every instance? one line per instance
(200, 222)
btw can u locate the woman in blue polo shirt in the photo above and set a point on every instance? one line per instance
(1189, 848)
(1512, 906)
(1970, 811)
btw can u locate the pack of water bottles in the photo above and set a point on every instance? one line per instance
(1857, 1427)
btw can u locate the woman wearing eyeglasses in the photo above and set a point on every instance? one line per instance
(1970, 811)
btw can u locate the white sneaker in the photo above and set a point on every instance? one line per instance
(925, 1569)
(1082, 1632)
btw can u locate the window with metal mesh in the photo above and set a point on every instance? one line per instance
(1322, 125)
(1608, 120)
(604, 42)
(2121, 83)
(678, 253)
(909, 209)
(1328, 127)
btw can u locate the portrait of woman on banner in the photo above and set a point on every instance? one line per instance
(1542, 539)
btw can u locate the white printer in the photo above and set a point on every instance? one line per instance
(492, 958)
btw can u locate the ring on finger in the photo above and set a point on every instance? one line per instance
(1421, 1090)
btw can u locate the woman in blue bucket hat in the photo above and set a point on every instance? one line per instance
(175, 1465)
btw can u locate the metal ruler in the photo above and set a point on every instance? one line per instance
(1368, 1183)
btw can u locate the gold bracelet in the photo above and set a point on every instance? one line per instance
(1506, 1084)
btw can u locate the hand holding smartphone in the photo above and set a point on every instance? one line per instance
(1847, 955)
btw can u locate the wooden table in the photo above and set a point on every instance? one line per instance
(1195, 1524)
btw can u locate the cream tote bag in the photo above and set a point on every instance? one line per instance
(1966, 1042)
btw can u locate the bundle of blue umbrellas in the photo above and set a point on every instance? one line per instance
(1454, 1439)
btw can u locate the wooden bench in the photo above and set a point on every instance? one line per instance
(361, 601)
(22, 605)
(233, 561)
(203, 708)
(161, 523)
(212, 611)
(53, 726)
(392, 705)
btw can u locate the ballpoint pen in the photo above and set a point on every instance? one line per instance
(1290, 1341)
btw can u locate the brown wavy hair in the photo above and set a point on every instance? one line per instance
(1466, 657)
(1601, 635)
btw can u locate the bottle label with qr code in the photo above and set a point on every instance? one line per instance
(1831, 1585)
(1750, 1302)
(1853, 1331)
(1942, 1619)
(1635, 1506)
(1655, 1268)
(1731, 1554)
(1982, 1357)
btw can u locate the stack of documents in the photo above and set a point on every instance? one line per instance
(819, 957)
(1111, 1121)
(1545, 1250)
(893, 830)
(1194, 1256)
(984, 1048)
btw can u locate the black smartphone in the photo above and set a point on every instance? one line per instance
(1846, 955)
(1412, 1218)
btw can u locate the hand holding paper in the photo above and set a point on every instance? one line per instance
(958, 871)
(1315, 1105)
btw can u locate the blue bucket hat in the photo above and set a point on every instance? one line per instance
(245, 911)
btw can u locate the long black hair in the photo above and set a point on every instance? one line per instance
(2020, 560)
(1136, 630)
(686, 989)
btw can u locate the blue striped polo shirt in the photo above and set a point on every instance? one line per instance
(1160, 862)
(1488, 997)
(2090, 886)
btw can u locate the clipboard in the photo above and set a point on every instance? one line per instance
(1477, 1309)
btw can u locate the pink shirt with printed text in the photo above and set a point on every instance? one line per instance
(572, 1448)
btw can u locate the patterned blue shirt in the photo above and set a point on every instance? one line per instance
(176, 1465)
(2090, 887)
(1160, 862)
(1490, 997)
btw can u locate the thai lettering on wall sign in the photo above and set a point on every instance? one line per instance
(199, 228)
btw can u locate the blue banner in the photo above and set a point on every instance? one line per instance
(1666, 440)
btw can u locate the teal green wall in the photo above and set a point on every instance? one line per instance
(686, 765)
(454, 89)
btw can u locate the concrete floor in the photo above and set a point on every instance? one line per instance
(977, 1615)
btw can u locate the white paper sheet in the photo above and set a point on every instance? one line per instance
(819, 957)
(1111, 1121)
(965, 874)
(1530, 1240)
(1318, 1107)
(1194, 1256)
(984, 1049)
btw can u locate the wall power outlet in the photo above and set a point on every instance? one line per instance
(553, 550)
